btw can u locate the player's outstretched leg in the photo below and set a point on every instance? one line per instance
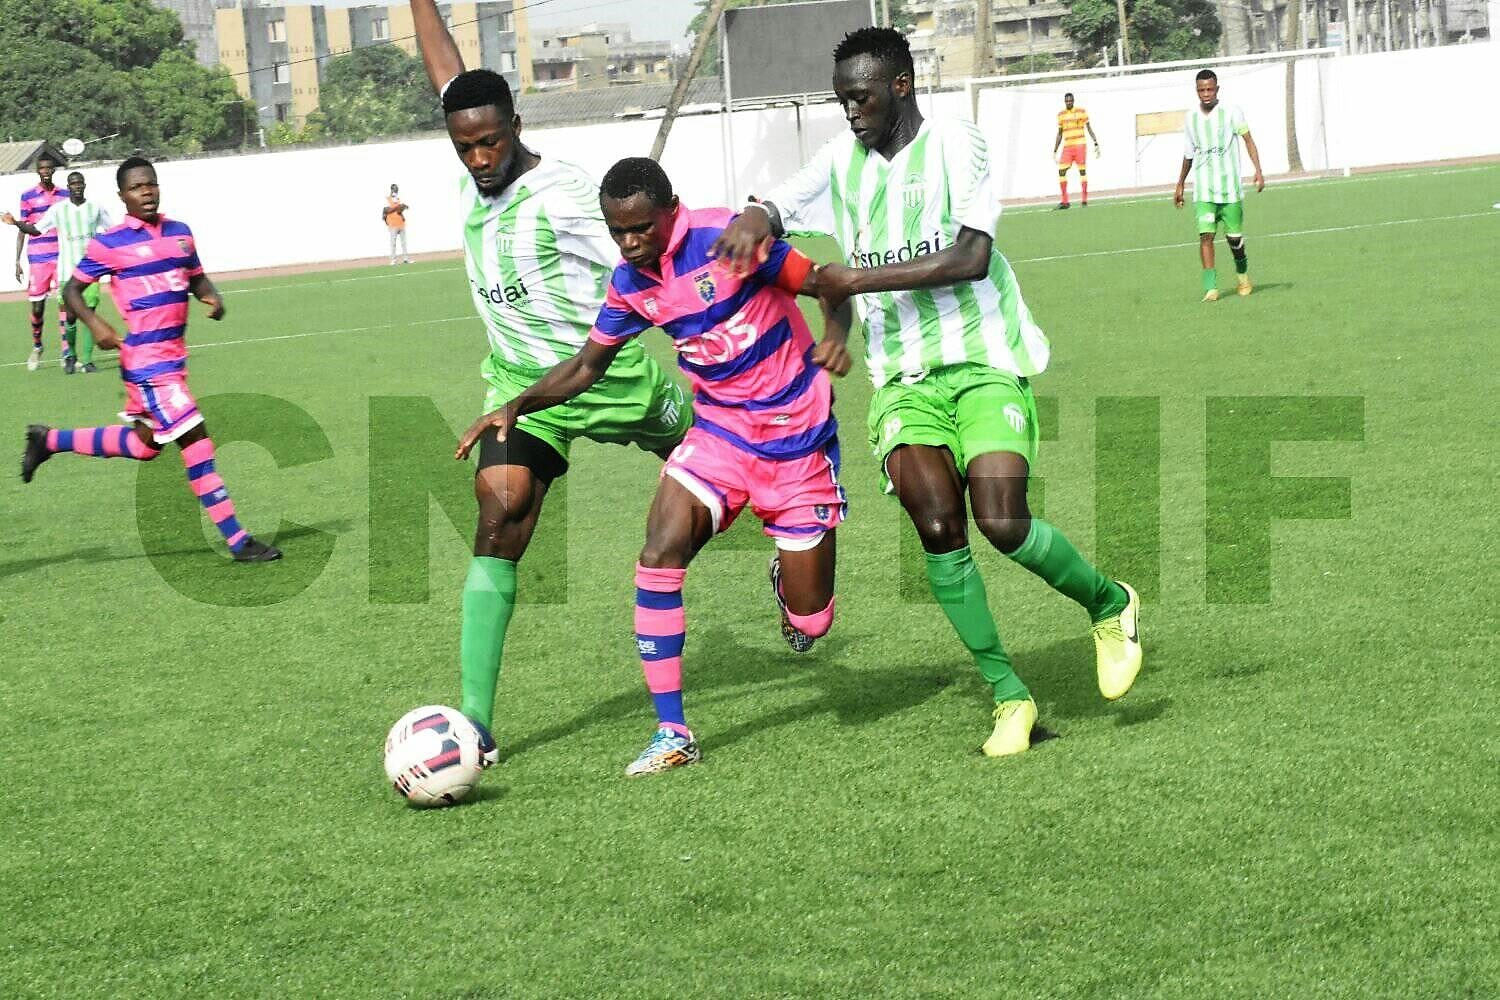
(118, 441)
(677, 527)
(997, 484)
(198, 457)
(509, 485)
(928, 485)
(802, 582)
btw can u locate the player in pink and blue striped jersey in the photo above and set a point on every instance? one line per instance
(763, 430)
(41, 251)
(155, 267)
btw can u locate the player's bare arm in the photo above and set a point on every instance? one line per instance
(1187, 167)
(1092, 135)
(967, 259)
(204, 291)
(1260, 178)
(562, 382)
(1057, 143)
(439, 51)
(20, 245)
(831, 352)
(25, 227)
(745, 242)
(104, 335)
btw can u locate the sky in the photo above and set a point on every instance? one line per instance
(649, 20)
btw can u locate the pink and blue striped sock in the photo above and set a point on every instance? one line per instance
(210, 491)
(660, 628)
(62, 332)
(36, 330)
(119, 441)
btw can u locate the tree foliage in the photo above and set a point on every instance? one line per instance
(90, 68)
(378, 90)
(1160, 30)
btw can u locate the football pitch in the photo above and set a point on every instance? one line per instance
(1298, 798)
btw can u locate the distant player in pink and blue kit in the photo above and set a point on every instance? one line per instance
(154, 264)
(41, 253)
(763, 431)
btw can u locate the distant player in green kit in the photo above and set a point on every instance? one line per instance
(75, 221)
(539, 258)
(1211, 151)
(951, 348)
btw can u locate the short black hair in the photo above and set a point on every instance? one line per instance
(1206, 74)
(479, 88)
(130, 164)
(47, 158)
(637, 175)
(1067, 95)
(73, 174)
(886, 44)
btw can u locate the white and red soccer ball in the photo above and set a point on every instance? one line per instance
(435, 754)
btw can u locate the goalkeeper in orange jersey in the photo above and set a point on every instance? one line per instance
(1071, 124)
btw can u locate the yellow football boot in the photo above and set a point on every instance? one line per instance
(1242, 285)
(1117, 647)
(1212, 295)
(1013, 722)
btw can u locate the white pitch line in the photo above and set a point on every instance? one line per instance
(291, 336)
(336, 281)
(1255, 236)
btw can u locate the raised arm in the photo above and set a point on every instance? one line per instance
(562, 382)
(439, 51)
(24, 227)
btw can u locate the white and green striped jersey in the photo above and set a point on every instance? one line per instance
(885, 212)
(1212, 142)
(539, 259)
(75, 225)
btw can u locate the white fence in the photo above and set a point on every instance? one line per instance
(307, 206)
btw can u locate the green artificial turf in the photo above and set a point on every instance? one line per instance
(1298, 799)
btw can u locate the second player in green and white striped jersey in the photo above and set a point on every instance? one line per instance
(1211, 139)
(538, 258)
(891, 211)
(75, 221)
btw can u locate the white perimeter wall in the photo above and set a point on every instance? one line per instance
(307, 206)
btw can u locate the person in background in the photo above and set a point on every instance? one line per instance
(394, 216)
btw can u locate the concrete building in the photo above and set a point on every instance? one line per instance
(596, 55)
(1359, 25)
(197, 17)
(640, 62)
(942, 41)
(275, 52)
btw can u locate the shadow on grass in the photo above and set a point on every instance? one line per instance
(206, 556)
(1062, 675)
(721, 668)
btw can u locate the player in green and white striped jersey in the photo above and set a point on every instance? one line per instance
(951, 348)
(1211, 134)
(539, 258)
(75, 221)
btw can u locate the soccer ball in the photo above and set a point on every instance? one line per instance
(434, 754)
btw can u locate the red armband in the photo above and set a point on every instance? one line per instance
(794, 271)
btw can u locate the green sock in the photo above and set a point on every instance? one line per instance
(489, 598)
(83, 348)
(959, 589)
(1048, 553)
(1210, 279)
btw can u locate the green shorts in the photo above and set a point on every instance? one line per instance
(1210, 213)
(634, 403)
(969, 409)
(90, 294)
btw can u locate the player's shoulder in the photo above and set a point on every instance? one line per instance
(568, 184)
(946, 127)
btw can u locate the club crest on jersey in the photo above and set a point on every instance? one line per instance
(821, 512)
(706, 287)
(1015, 417)
(649, 304)
(912, 190)
(505, 244)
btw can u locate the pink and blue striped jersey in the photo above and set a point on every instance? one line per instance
(743, 342)
(34, 204)
(151, 266)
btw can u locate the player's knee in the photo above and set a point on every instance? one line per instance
(941, 532)
(664, 553)
(1006, 532)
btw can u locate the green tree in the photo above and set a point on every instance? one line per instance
(128, 33)
(1160, 30)
(377, 90)
(189, 108)
(54, 90)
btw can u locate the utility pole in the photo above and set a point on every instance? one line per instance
(1124, 34)
(679, 92)
(984, 44)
